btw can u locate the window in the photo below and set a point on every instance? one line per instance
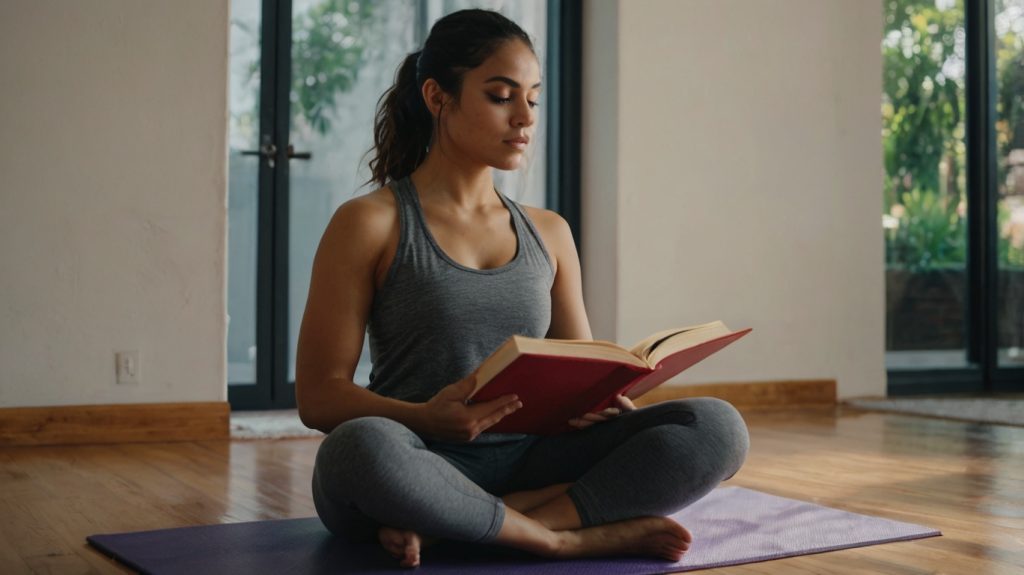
(953, 189)
(308, 82)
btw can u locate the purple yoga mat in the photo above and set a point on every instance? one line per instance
(731, 525)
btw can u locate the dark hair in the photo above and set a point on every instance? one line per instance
(457, 43)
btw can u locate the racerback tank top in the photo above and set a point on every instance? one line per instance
(434, 320)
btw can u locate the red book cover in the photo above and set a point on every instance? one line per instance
(555, 389)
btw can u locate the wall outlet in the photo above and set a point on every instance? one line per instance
(127, 366)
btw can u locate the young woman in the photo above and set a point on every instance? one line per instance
(441, 268)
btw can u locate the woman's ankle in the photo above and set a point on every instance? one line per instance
(558, 514)
(522, 532)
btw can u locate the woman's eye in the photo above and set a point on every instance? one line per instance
(500, 100)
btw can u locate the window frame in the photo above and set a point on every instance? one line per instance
(984, 375)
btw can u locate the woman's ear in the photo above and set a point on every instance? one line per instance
(434, 97)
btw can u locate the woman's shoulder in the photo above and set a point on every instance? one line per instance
(549, 223)
(368, 219)
(553, 230)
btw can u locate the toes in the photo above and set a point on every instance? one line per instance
(392, 542)
(412, 548)
(671, 542)
(680, 532)
(404, 545)
(412, 556)
(672, 551)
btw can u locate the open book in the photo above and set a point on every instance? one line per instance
(559, 379)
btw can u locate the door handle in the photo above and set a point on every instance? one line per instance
(293, 155)
(269, 151)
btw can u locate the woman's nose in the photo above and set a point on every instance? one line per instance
(524, 116)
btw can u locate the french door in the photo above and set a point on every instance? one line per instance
(953, 135)
(305, 76)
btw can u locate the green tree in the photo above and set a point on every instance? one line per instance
(922, 128)
(328, 42)
(328, 45)
(923, 60)
(1010, 126)
(1010, 99)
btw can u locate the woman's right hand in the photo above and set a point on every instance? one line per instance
(448, 418)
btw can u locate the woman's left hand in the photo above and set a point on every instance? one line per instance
(588, 419)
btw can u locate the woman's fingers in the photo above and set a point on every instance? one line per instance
(500, 413)
(625, 402)
(589, 419)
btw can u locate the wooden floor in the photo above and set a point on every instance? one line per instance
(964, 479)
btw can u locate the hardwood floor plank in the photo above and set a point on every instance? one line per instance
(10, 559)
(962, 478)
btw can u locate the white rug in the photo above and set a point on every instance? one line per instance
(1009, 411)
(277, 424)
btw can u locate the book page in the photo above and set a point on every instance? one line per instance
(518, 345)
(596, 349)
(686, 339)
(646, 346)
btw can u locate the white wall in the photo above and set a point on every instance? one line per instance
(731, 169)
(600, 182)
(112, 199)
(747, 171)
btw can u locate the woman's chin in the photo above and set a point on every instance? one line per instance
(508, 164)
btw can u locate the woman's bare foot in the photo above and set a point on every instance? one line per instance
(648, 536)
(404, 544)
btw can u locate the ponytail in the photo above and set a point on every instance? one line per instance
(403, 126)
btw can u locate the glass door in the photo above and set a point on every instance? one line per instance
(925, 185)
(953, 141)
(305, 79)
(343, 57)
(1009, 125)
(248, 172)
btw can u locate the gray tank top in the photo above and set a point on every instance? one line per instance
(434, 320)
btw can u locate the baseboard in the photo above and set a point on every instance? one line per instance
(752, 395)
(126, 423)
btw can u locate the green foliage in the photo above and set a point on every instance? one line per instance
(922, 107)
(1010, 252)
(328, 45)
(923, 130)
(327, 49)
(930, 233)
(1010, 98)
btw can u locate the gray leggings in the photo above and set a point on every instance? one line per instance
(653, 461)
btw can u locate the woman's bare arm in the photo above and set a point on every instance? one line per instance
(568, 314)
(353, 255)
(334, 322)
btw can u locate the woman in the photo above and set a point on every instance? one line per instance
(441, 268)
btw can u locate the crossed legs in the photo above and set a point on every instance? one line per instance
(574, 495)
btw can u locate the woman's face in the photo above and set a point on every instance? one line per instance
(493, 122)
